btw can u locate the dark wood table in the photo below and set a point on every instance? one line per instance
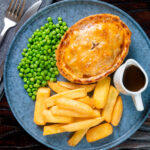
(13, 137)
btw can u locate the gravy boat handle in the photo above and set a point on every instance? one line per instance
(137, 99)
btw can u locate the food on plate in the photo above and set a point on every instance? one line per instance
(74, 105)
(73, 94)
(87, 100)
(42, 94)
(101, 92)
(93, 48)
(50, 118)
(99, 132)
(109, 107)
(75, 126)
(49, 102)
(90, 50)
(52, 129)
(76, 111)
(77, 137)
(117, 112)
(70, 113)
(38, 64)
(69, 85)
(66, 112)
(56, 87)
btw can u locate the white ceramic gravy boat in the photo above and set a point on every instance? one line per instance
(118, 81)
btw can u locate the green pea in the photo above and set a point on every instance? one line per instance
(46, 25)
(51, 69)
(30, 94)
(38, 81)
(52, 79)
(30, 40)
(49, 50)
(21, 74)
(22, 70)
(28, 90)
(42, 74)
(25, 50)
(53, 75)
(57, 25)
(64, 23)
(56, 73)
(39, 69)
(40, 78)
(25, 86)
(25, 79)
(34, 93)
(28, 45)
(49, 19)
(44, 83)
(48, 41)
(45, 58)
(30, 86)
(29, 75)
(59, 18)
(35, 65)
(33, 97)
(42, 28)
(54, 32)
(54, 26)
(53, 41)
(57, 30)
(52, 63)
(18, 67)
(32, 79)
(47, 78)
(54, 37)
(50, 27)
(65, 28)
(50, 23)
(60, 22)
(58, 35)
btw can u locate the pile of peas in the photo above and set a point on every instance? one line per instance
(38, 64)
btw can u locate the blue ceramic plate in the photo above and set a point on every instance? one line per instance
(23, 107)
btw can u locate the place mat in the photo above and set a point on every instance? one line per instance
(10, 34)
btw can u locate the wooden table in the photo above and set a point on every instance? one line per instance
(13, 137)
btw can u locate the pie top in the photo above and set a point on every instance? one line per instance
(93, 48)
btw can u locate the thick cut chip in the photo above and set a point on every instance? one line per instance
(87, 100)
(77, 137)
(50, 118)
(74, 105)
(99, 132)
(108, 109)
(52, 129)
(75, 126)
(101, 93)
(69, 85)
(69, 113)
(73, 94)
(56, 87)
(42, 95)
(117, 112)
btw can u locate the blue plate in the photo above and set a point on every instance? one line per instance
(23, 107)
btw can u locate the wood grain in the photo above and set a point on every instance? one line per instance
(13, 137)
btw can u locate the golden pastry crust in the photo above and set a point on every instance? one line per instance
(93, 48)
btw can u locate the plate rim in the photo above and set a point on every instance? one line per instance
(107, 145)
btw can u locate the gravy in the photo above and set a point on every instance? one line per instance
(133, 78)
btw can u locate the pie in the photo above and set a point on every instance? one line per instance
(93, 48)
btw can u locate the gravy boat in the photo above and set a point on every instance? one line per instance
(118, 82)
